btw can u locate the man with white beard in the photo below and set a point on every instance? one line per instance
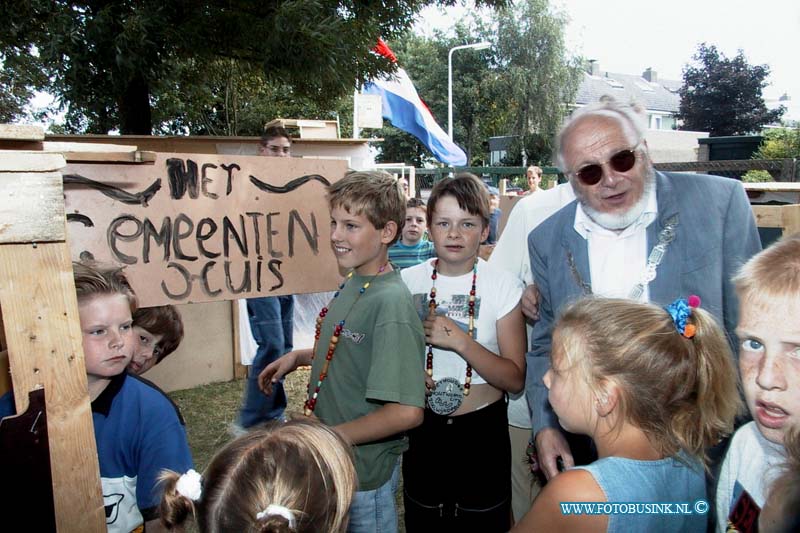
(633, 232)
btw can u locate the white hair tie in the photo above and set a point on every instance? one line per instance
(279, 510)
(189, 485)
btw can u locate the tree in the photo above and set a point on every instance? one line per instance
(540, 78)
(520, 86)
(723, 96)
(108, 60)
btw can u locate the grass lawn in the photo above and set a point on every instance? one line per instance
(210, 410)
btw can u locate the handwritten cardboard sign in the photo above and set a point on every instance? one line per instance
(195, 227)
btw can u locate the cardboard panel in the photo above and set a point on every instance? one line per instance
(194, 228)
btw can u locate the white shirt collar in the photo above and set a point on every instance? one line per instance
(584, 225)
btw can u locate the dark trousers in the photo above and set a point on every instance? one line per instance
(271, 323)
(457, 473)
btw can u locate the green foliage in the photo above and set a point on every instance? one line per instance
(757, 176)
(539, 78)
(519, 86)
(723, 96)
(110, 61)
(779, 143)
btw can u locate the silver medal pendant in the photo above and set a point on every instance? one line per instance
(446, 397)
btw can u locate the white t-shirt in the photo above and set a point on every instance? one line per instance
(617, 260)
(752, 464)
(511, 254)
(497, 292)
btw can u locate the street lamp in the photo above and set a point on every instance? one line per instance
(477, 46)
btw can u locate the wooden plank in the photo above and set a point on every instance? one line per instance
(19, 132)
(54, 146)
(30, 161)
(791, 219)
(110, 157)
(40, 311)
(31, 207)
(773, 186)
(5, 373)
(768, 216)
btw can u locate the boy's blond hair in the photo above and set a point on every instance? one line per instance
(92, 279)
(374, 194)
(771, 278)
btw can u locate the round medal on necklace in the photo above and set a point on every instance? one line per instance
(446, 397)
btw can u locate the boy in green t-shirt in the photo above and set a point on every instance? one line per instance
(367, 378)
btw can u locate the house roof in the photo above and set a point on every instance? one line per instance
(659, 96)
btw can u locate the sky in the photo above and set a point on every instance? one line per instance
(628, 36)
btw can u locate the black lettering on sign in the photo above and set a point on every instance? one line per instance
(245, 285)
(187, 278)
(204, 279)
(162, 237)
(182, 177)
(115, 193)
(203, 236)
(275, 267)
(290, 186)
(311, 236)
(177, 235)
(229, 169)
(257, 232)
(270, 232)
(113, 234)
(229, 231)
(83, 219)
(205, 180)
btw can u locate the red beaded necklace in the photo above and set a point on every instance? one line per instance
(311, 402)
(471, 311)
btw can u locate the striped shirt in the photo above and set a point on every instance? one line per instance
(403, 256)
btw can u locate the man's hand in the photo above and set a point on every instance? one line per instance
(275, 371)
(550, 445)
(530, 302)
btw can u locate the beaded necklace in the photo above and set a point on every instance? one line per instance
(471, 311)
(311, 402)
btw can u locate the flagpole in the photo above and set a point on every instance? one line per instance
(477, 46)
(356, 129)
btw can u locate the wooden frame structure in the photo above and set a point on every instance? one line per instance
(40, 317)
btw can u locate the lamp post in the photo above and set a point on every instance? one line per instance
(476, 46)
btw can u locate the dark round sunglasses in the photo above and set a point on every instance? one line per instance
(622, 161)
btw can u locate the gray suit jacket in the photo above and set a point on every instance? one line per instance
(716, 234)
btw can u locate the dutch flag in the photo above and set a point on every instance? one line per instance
(403, 107)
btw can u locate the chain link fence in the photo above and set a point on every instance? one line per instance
(777, 170)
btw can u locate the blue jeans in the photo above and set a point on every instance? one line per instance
(374, 511)
(271, 322)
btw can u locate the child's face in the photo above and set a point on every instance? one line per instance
(456, 234)
(415, 225)
(145, 355)
(108, 340)
(356, 243)
(534, 179)
(769, 363)
(568, 391)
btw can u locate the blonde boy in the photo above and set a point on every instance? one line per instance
(367, 378)
(413, 248)
(768, 287)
